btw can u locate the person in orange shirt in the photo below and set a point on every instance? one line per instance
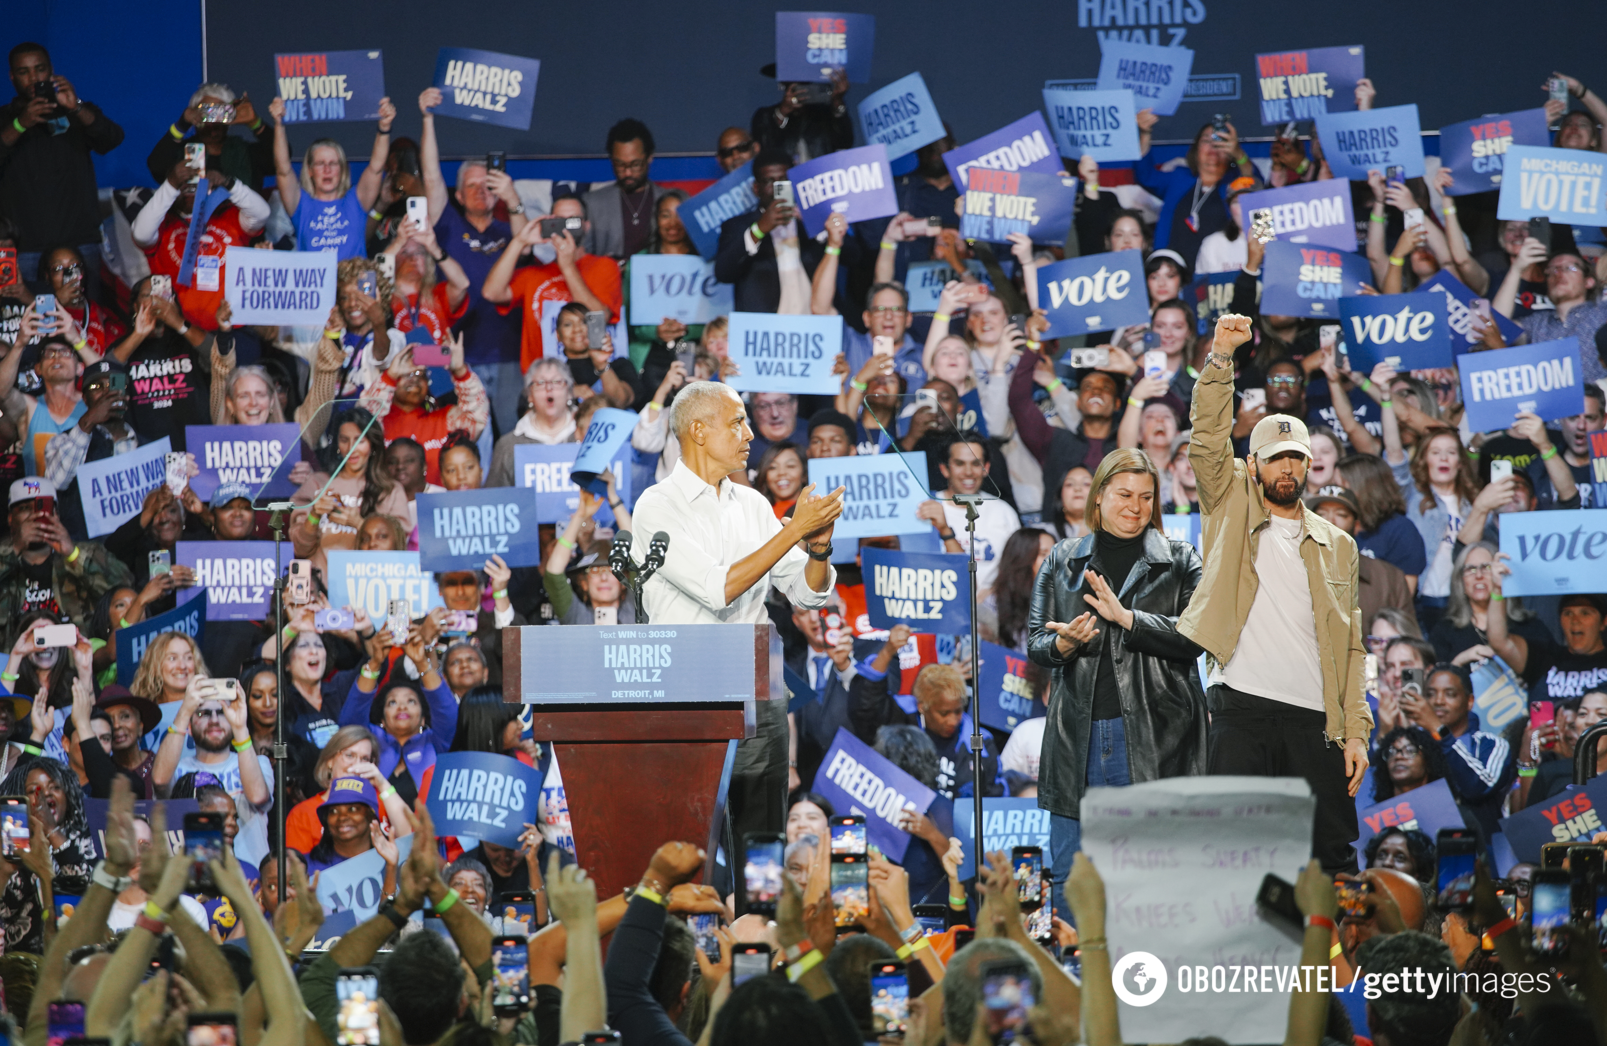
(162, 230)
(401, 400)
(349, 753)
(576, 276)
(431, 289)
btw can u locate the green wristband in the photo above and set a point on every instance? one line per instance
(448, 901)
(18, 125)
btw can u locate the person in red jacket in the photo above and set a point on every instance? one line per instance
(162, 231)
(431, 289)
(401, 399)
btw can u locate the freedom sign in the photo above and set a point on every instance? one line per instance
(1019, 146)
(1309, 281)
(462, 529)
(1006, 695)
(1372, 140)
(1552, 553)
(1102, 124)
(370, 580)
(811, 45)
(676, 287)
(1427, 809)
(901, 116)
(856, 183)
(1459, 308)
(859, 780)
(483, 794)
(1093, 293)
(1475, 150)
(1573, 816)
(260, 456)
(112, 490)
(1155, 75)
(279, 288)
(785, 353)
(1306, 85)
(546, 470)
(1308, 212)
(880, 493)
(330, 86)
(998, 203)
(189, 618)
(237, 576)
(1564, 185)
(704, 213)
(486, 87)
(928, 592)
(1544, 379)
(1412, 331)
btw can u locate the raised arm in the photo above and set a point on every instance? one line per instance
(886, 264)
(497, 290)
(429, 155)
(283, 173)
(282, 1003)
(1308, 1010)
(374, 173)
(573, 897)
(1476, 276)
(823, 286)
(1085, 892)
(1514, 650)
(1211, 445)
(131, 960)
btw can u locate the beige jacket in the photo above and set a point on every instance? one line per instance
(1234, 517)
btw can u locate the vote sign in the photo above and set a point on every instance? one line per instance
(1459, 308)
(675, 287)
(929, 592)
(1544, 379)
(1564, 185)
(1411, 330)
(1309, 281)
(1093, 293)
(1305, 85)
(462, 529)
(1554, 553)
(779, 353)
(1475, 151)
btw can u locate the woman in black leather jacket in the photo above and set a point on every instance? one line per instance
(1125, 703)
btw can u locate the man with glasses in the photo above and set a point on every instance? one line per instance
(1576, 313)
(736, 147)
(775, 418)
(215, 719)
(623, 211)
(886, 316)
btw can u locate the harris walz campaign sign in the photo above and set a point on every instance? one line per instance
(1093, 293)
(901, 116)
(237, 576)
(1372, 140)
(189, 618)
(785, 353)
(1102, 124)
(251, 454)
(880, 493)
(1155, 74)
(483, 794)
(461, 529)
(486, 87)
(704, 213)
(930, 592)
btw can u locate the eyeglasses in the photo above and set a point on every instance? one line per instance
(1376, 643)
(1284, 380)
(1478, 570)
(549, 383)
(1404, 749)
(885, 308)
(599, 570)
(1558, 270)
(731, 150)
(771, 408)
(629, 165)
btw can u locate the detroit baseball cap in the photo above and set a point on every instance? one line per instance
(1277, 433)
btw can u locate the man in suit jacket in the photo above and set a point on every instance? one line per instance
(623, 212)
(764, 252)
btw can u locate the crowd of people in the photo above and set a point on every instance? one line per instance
(1148, 656)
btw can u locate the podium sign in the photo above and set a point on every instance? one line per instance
(644, 720)
(606, 664)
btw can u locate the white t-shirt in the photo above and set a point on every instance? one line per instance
(1277, 654)
(1436, 580)
(123, 915)
(1023, 750)
(1220, 254)
(996, 521)
(252, 842)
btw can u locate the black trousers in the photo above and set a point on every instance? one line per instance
(1257, 737)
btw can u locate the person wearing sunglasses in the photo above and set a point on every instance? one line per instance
(1286, 394)
(735, 148)
(1571, 283)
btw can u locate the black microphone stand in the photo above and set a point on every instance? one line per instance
(278, 520)
(972, 503)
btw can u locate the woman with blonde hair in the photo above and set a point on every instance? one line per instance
(328, 211)
(1125, 699)
(351, 752)
(171, 660)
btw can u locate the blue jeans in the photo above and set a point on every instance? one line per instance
(1107, 768)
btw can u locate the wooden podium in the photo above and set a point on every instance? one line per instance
(644, 721)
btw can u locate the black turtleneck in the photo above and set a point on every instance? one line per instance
(1112, 560)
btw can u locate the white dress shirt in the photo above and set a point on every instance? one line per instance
(710, 531)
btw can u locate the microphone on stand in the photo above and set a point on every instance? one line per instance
(619, 556)
(656, 548)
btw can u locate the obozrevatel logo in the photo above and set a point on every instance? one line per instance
(1139, 979)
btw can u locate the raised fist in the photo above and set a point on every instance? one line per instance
(1232, 330)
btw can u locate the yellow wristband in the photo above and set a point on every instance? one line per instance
(810, 959)
(390, 790)
(154, 911)
(448, 901)
(1336, 951)
(1034, 345)
(566, 543)
(1396, 261)
(500, 593)
(241, 746)
(1055, 384)
(889, 245)
(914, 946)
(80, 344)
(651, 895)
(332, 335)
(941, 317)
(72, 557)
(1134, 401)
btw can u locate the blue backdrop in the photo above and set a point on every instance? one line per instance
(690, 73)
